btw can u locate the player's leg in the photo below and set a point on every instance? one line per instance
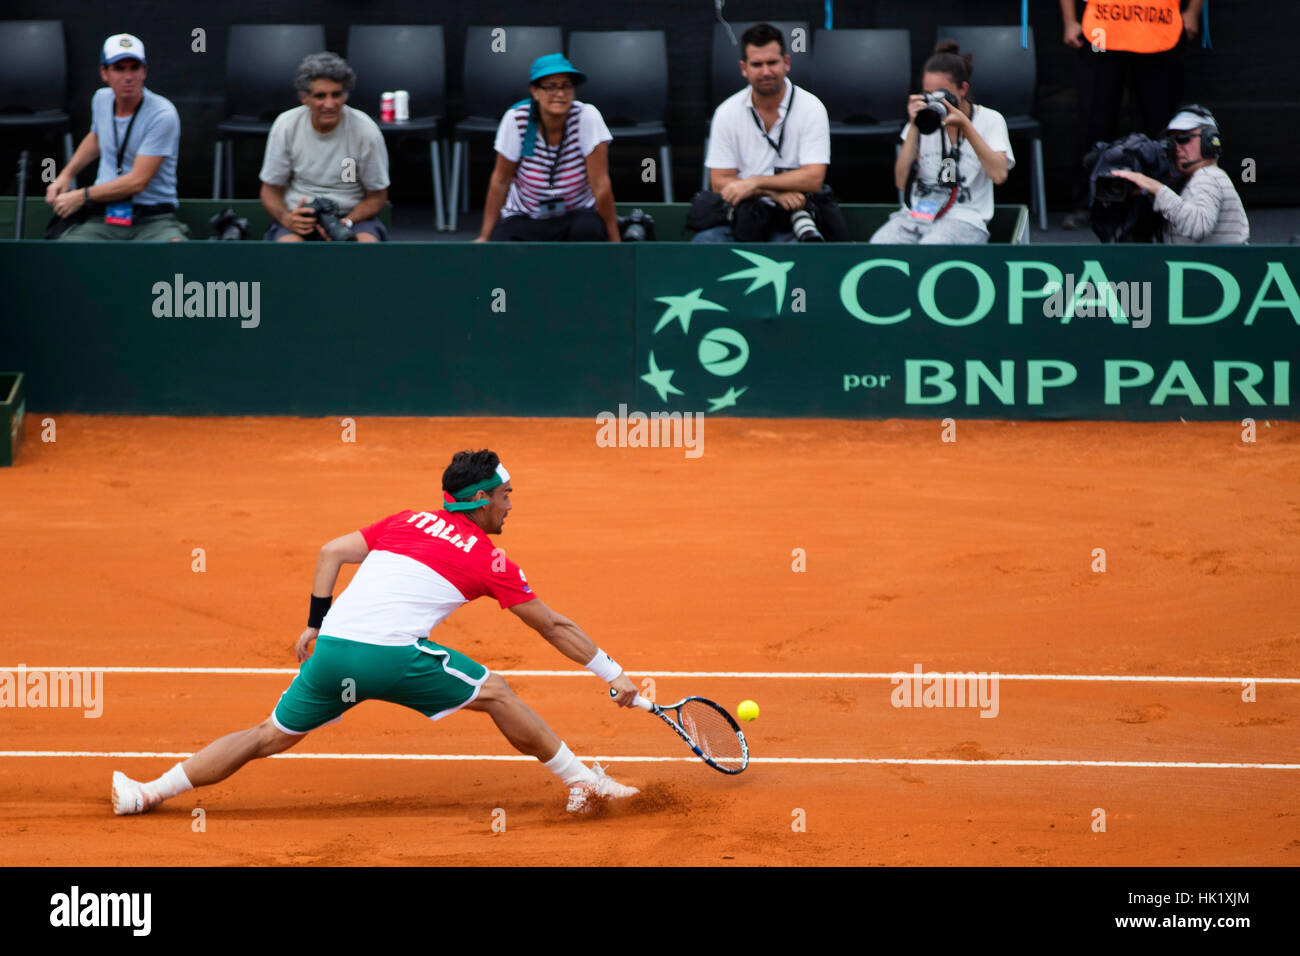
(214, 763)
(518, 722)
(219, 759)
(319, 695)
(528, 733)
(441, 680)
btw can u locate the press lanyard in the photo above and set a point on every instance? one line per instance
(955, 155)
(126, 138)
(763, 132)
(559, 150)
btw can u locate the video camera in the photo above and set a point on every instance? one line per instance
(1120, 211)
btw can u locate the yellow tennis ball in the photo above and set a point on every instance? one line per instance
(748, 710)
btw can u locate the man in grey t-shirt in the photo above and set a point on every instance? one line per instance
(136, 135)
(324, 149)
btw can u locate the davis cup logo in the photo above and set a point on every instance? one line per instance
(721, 353)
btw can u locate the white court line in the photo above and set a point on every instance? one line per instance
(748, 675)
(917, 761)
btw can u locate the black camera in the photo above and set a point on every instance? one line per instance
(933, 114)
(227, 227)
(329, 219)
(638, 226)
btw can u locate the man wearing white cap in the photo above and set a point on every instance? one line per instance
(135, 134)
(1208, 210)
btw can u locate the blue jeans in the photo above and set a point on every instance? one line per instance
(723, 234)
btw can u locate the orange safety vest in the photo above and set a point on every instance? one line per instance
(1135, 26)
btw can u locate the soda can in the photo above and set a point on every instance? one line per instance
(402, 105)
(386, 109)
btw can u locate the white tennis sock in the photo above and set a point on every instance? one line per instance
(568, 767)
(170, 784)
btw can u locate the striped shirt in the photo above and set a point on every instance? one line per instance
(552, 172)
(1208, 210)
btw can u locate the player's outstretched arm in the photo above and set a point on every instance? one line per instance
(572, 641)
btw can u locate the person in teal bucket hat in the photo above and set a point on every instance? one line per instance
(551, 180)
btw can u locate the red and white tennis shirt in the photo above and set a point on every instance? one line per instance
(422, 565)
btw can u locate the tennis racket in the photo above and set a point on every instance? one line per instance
(707, 729)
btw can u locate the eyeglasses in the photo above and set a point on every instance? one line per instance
(554, 89)
(1182, 139)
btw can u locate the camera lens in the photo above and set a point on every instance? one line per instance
(930, 118)
(805, 230)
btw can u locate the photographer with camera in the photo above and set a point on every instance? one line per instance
(325, 173)
(769, 147)
(953, 154)
(1208, 209)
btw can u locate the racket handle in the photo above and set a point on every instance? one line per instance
(638, 702)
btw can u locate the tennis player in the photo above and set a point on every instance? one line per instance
(416, 568)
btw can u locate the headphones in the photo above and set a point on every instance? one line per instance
(1211, 141)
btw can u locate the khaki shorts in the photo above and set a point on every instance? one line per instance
(161, 228)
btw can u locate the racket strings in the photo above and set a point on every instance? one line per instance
(712, 733)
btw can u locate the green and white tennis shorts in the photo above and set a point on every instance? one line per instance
(424, 676)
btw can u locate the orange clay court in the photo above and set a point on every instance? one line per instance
(975, 556)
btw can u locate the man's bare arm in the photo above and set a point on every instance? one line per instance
(349, 549)
(805, 179)
(558, 631)
(371, 205)
(571, 641)
(87, 152)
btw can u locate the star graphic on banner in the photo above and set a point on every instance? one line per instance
(683, 307)
(661, 380)
(728, 400)
(765, 272)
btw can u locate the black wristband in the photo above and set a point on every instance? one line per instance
(319, 605)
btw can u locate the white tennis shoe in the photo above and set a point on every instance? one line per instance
(129, 796)
(584, 796)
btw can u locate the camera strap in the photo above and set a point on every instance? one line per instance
(126, 138)
(762, 130)
(559, 151)
(945, 154)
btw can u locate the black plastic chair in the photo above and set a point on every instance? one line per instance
(33, 90)
(1006, 78)
(411, 58)
(862, 78)
(724, 75)
(627, 74)
(497, 60)
(261, 60)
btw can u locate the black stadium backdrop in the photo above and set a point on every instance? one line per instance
(1248, 79)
